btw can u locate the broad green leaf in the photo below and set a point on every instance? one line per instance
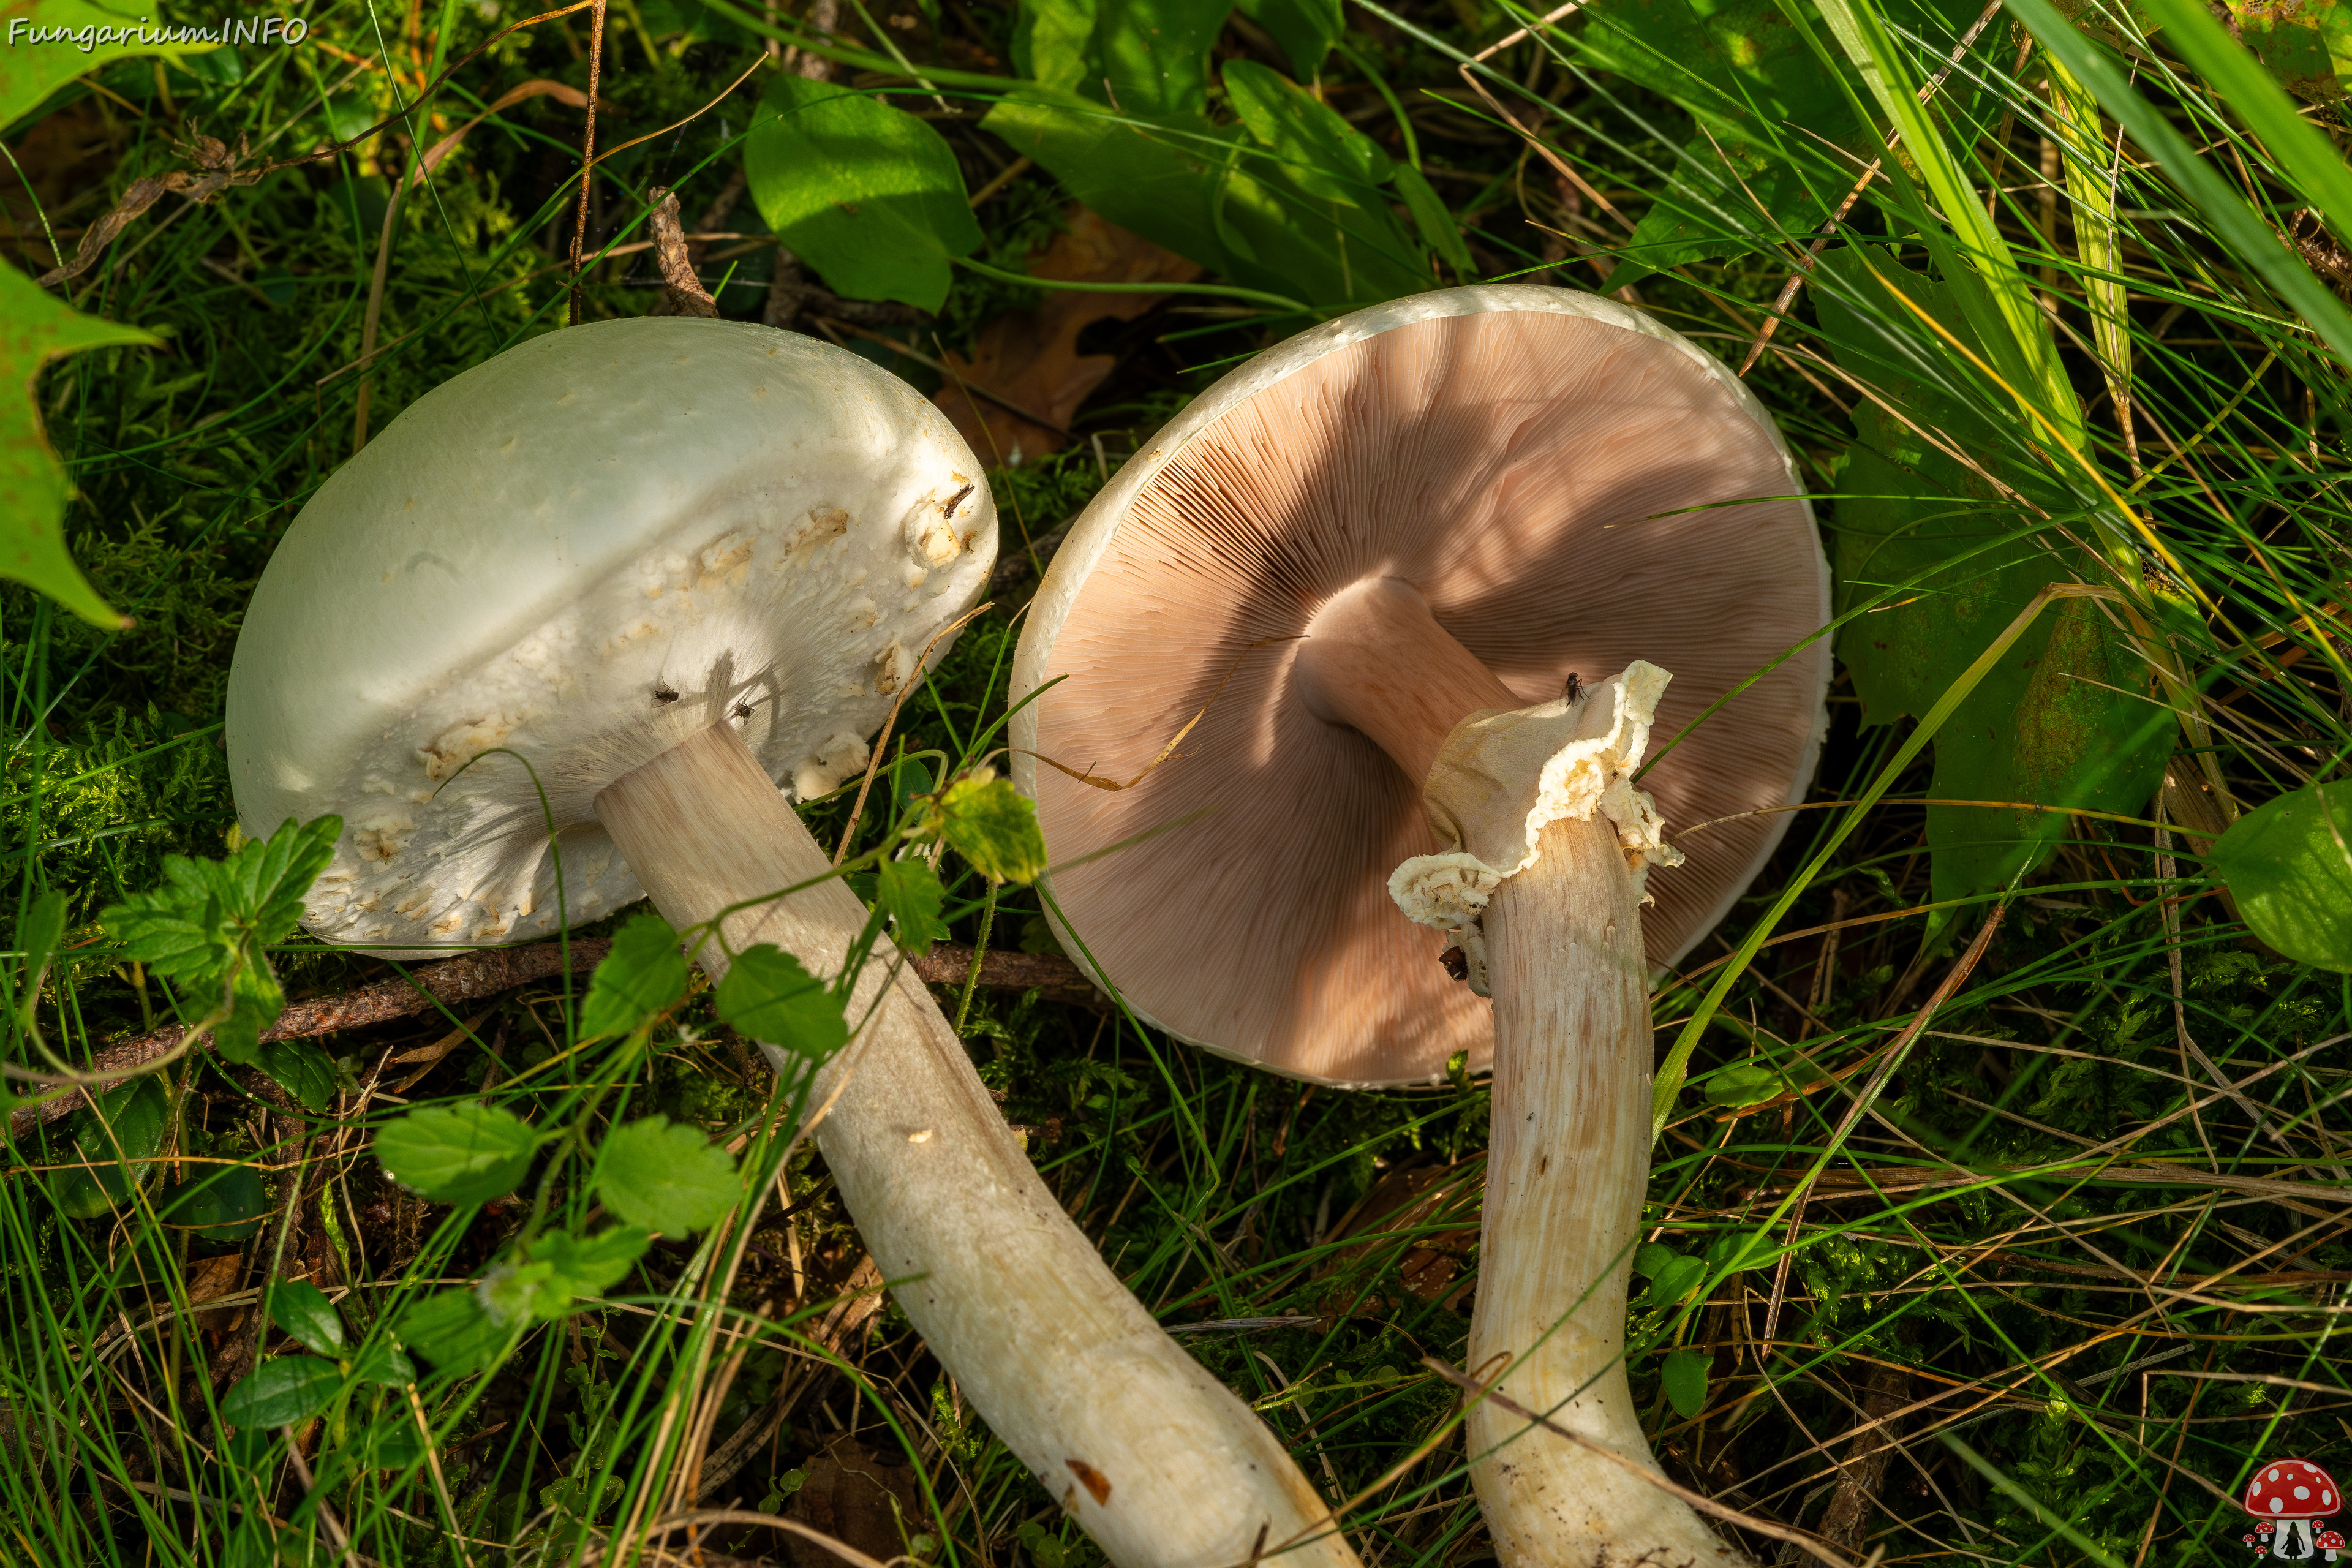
(1431, 215)
(112, 1142)
(2313, 41)
(2056, 722)
(1306, 30)
(1651, 1257)
(1742, 1083)
(2289, 861)
(1155, 175)
(770, 996)
(223, 1202)
(255, 998)
(1053, 43)
(1710, 209)
(2306, 47)
(286, 1392)
(992, 825)
(302, 1309)
(454, 1331)
(1675, 1278)
(302, 1069)
(467, 1153)
(380, 1361)
(2236, 225)
(33, 65)
(1684, 1376)
(1321, 153)
(909, 892)
(644, 975)
(866, 194)
(666, 1177)
(1155, 53)
(1336, 255)
(541, 1283)
(392, 1442)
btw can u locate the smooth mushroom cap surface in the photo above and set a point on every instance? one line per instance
(587, 549)
(1571, 489)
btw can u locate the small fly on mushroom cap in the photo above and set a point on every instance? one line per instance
(1379, 556)
(666, 561)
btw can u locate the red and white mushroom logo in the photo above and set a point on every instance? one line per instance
(2294, 1493)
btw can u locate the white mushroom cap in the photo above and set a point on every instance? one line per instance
(586, 550)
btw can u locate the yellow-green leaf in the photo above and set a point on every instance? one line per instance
(36, 328)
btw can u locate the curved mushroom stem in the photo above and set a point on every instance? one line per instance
(1158, 1460)
(1570, 1157)
(1566, 1171)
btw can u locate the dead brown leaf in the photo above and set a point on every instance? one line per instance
(210, 1278)
(1030, 357)
(865, 1504)
(1406, 1200)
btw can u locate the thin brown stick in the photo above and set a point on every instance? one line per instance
(688, 297)
(587, 152)
(486, 973)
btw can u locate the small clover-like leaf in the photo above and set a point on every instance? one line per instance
(302, 1309)
(286, 1392)
(666, 1177)
(992, 825)
(466, 1154)
(643, 976)
(1684, 1376)
(767, 995)
(382, 1362)
(909, 892)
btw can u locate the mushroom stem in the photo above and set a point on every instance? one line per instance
(1569, 1158)
(1158, 1460)
(1566, 1169)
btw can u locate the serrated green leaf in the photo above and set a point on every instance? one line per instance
(114, 1140)
(644, 975)
(868, 194)
(465, 1153)
(540, 1284)
(302, 1309)
(1684, 1376)
(909, 892)
(2289, 861)
(301, 1069)
(2060, 720)
(770, 996)
(286, 1392)
(992, 825)
(454, 1331)
(1306, 30)
(666, 1177)
(1320, 152)
(36, 328)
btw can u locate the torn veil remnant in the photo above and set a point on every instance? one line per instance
(1433, 513)
(657, 566)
